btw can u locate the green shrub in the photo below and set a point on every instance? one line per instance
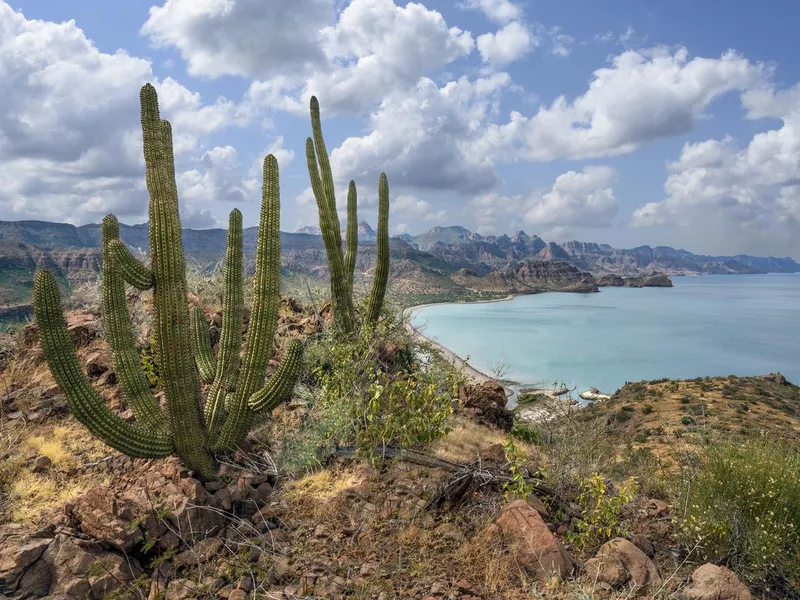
(743, 509)
(601, 508)
(371, 390)
(647, 409)
(687, 420)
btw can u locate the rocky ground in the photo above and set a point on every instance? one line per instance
(81, 521)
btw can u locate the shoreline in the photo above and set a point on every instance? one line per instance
(475, 375)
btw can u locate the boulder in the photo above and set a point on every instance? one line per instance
(620, 562)
(486, 404)
(710, 582)
(534, 547)
(97, 363)
(38, 563)
(97, 515)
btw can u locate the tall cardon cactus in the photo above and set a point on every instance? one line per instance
(342, 265)
(238, 395)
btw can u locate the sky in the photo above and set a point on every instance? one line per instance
(612, 121)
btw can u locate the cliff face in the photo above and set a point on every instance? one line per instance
(530, 277)
(659, 280)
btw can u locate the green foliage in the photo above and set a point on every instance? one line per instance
(602, 509)
(743, 509)
(371, 390)
(517, 487)
(238, 396)
(149, 366)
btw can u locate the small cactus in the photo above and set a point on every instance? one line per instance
(342, 266)
(238, 396)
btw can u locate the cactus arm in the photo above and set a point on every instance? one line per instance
(84, 402)
(264, 314)
(127, 363)
(232, 316)
(352, 235)
(172, 331)
(382, 263)
(343, 312)
(201, 346)
(280, 385)
(325, 168)
(132, 271)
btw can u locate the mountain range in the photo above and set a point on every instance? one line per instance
(443, 262)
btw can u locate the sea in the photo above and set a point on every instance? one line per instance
(708, 325)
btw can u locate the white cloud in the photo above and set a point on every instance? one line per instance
(432, 138)
(506, 45)
(501, 11)
(242, 37)
(576, 199)
(725, 194)
(70, 138)
(641, 96)
(375, 48)
(220, 179)
(416, 208)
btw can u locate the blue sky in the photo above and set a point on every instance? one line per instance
(620, 121)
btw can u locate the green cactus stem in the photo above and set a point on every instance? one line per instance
(132, 271)
(84, 402)
(342, 267)
(231, 334)
(126, 360)
(201, 345)
(351, 240)
(238, 395)
(382, 261)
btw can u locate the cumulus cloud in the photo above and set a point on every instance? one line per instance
(749, 194)
(242, 37)
(643, 95)
(374, 48)
(70, 138)
(576, 199)
(506, 45)
(428, 139)
(501, 11)
(416, 208)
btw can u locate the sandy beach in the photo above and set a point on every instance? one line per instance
(474, 375)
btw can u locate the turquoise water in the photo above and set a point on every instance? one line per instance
(710, 325)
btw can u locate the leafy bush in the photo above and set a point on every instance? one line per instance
(516, 486)
(601, 509)
(743, 509)
(373, 390)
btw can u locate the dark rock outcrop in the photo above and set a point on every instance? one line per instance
(485, 403)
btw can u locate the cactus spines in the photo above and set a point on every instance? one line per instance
(127, 366)
(342, 267)
(86, 404)
(264, 313)
(201, 344)
(382, 260)
(231, 334)
(351, 240)
(238, 395)
(132, 271)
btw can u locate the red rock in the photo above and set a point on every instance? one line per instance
(535, 548)
(710, 582)
(620, 562)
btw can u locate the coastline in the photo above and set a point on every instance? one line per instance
(474, 375)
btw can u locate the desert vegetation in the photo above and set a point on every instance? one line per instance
(151, 448)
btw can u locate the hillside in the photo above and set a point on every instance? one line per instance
(443, 263)
(447, 520)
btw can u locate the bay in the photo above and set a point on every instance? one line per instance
(703, 326)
